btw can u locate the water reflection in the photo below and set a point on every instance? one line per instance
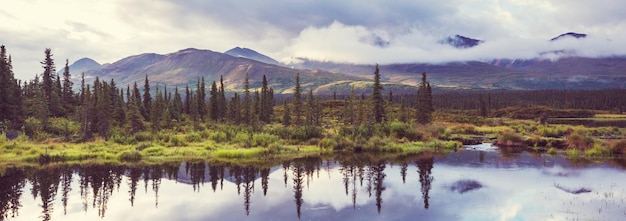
(348, 187)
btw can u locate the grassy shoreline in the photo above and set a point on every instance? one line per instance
(275, 142)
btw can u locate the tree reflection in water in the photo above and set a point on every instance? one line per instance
(12, 183)
(425, 166)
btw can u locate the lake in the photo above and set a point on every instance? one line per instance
(478, 183)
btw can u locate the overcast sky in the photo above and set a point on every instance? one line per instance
(343, 31)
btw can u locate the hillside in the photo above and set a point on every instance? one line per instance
(184, 67)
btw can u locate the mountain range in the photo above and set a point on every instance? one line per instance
(187, 66)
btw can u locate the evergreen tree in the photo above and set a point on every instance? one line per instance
(297, 103)
(286, 115)
(11, 114)
(147, 99)
(266, 102)
(137, 95)
(201, 99)
(55, 102)
(134, 117)
(120, 108)
(424, 102)
(48, 75)
(234, 109)
(214, 102)
(246, 109)
(67, 95)
(103, 107)
(158, 108)
(310, 111)
(222, 101)
(482, 106)
(188, 97)
(177, 106)
(256, 106)
(377, 98)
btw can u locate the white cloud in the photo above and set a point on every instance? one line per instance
(327, 30)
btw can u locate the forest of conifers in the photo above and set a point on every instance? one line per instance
(51, 105)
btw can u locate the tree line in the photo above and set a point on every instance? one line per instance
(50, 104)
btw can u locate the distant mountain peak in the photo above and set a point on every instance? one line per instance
(461, 42)
(568, 35)
(250, 54)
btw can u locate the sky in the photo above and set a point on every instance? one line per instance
(326, 30)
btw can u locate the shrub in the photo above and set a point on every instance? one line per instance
(328, 143)
(129, 156)
(62, 127)
(263, 139)
(218, 136)
(579, 140)
(153, 151)
(306, 133)
(402, 130)
(143, 136)
(618, 146)
(240, 153)
(509, 138)
(193, 137)
(242, 137)
(177, 141)
(32, 126)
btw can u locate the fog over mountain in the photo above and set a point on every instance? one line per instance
(358, 32)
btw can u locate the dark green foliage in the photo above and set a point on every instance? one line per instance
(286, 114)
(297, 103)
(201, 99)
(147, 100)
(482, 106)
(424, 106)
(214, 101)
(306, 133)
(377, 98)
(246, 108)
(266, 102)
(67, 96)
(11, 114)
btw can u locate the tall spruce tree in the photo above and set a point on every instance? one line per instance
(134, 117)
(266, 102)
(297, 103)
(424, 102)
(214, 100)
(11, 113)
(377, 98)
(67, 95)
(246, 109)
(222, 101)
(286, 114)
(201, 99)
(147, 100)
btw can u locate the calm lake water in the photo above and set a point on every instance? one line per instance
(479, 183)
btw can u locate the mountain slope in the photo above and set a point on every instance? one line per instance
(186, 66)
(461, 42)
(251, 54)
(80, 66)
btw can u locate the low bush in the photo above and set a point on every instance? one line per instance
(579, 140)
(218, 136)
(263, 139)
(193, 137)
(327, 144)
(129, 156)
(617, 146)
(177, 141)
(306, 133)
(153, 151)
(241, 153)
(509, 138)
